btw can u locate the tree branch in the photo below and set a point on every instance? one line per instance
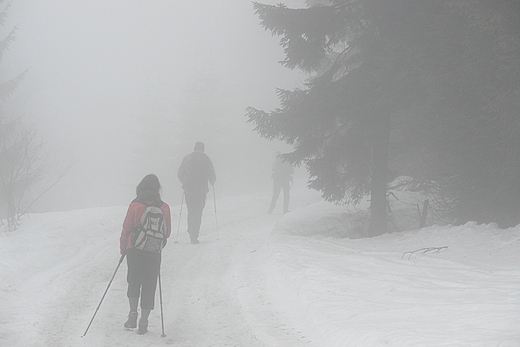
(423, 250)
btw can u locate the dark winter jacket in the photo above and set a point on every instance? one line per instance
(282, 171)
(195, 171)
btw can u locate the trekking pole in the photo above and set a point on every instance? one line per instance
(106, 290)
(160, 297)
(215, 204)
(179, 225)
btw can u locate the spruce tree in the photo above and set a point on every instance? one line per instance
(421, 87)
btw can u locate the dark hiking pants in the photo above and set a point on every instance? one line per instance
(143, 269)
(195, 202)
(279, 185)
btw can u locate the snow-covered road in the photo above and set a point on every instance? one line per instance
(58, 266)
(268, 280)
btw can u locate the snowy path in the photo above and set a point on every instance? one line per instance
(262, 283)
(52, 304)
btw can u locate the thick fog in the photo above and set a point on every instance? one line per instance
(114, 87)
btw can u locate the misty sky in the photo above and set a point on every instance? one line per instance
(94, 64)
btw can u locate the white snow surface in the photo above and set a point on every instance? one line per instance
(267, 280)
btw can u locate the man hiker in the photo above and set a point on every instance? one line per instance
(282, 178)
(195, 171)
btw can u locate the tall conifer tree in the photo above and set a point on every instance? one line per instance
(410, 85)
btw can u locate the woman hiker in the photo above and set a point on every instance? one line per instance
(143, 264)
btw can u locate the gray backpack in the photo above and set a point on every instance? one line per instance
(150, 234)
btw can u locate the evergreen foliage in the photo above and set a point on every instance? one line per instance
(426, 88)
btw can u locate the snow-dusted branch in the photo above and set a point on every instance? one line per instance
(423, 250)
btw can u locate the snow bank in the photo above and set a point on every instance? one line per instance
(393, 290)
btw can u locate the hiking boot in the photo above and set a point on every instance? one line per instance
(195, 241)
(143, 327)
(131, 323)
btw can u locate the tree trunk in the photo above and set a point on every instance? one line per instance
(378, 214)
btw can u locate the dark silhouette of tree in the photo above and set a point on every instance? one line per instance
(467, 126)
(392, 84)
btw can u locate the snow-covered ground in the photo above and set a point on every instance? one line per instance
(268, 280)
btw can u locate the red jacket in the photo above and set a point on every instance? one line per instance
(133, 218)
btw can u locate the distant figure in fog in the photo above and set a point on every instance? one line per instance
(282, 179)
(195, 171)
